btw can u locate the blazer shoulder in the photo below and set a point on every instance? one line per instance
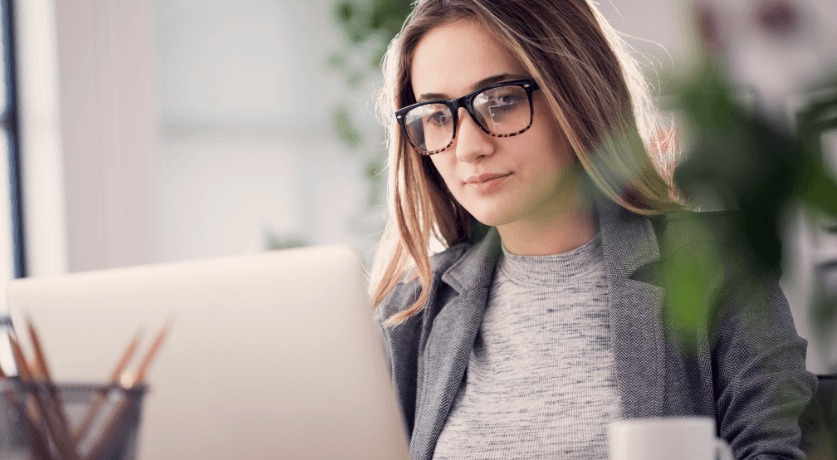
(408, 289)
(694, 229)
(684, 218)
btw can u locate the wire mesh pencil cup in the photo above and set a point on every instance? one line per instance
(68, 421)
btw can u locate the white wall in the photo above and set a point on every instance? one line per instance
(40, 138)
(658, 30)
(89, 134)
(109, 111)
(247, 101)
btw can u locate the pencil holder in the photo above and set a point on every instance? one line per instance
(46, 421)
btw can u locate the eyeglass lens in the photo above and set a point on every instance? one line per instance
(501, 111)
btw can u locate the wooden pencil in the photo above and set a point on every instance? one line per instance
(45, 374)
(39, 447)
(109, 432)
(114, 424)
(101, 397)
(61, 440)
(152, 353)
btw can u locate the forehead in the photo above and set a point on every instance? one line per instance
(450, 58)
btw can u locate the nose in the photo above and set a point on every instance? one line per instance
(472, 143)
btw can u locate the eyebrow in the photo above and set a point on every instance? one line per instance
(482, 83)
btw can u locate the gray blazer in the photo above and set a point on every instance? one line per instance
(748, 372)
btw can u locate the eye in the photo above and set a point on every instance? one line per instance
(504, 101)
(439, 118)
(503, 105)
(500, 100)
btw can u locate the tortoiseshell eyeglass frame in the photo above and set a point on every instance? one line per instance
(467, 101)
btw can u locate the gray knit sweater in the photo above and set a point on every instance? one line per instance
(540, 381)
(747, 370)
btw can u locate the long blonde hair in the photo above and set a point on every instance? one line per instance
(597, 96)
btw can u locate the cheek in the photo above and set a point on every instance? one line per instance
(547, 136)
(445, 167)
(549, 150)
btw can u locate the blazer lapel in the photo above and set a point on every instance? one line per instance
(628, 243)
(450, 341)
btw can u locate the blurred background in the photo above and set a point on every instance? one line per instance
(149, 131)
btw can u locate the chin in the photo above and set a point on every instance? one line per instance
(491, 218)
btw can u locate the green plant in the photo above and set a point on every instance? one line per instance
(368, 27)
(747, 164)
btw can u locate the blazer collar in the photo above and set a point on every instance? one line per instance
(475, 269)
(628, 243)
(449, 341)
(635, 307)
(628, 239)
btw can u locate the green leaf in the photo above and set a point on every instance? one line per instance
(817, 188)
(823, 311)
(337, 61)
(345, 127)
(344, 11)
(374, 168)
(685, 277)
(355, 78)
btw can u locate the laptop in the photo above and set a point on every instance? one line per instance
(273, 355)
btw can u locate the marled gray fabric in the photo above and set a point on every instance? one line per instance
(540, 381)
(748, 371)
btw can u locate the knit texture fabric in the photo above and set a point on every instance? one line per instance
(540, 381)
(746, 369)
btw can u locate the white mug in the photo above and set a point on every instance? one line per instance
(682, 438)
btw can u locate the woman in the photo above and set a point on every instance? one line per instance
(516, 138)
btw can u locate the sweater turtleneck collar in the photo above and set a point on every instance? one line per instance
(545, 269)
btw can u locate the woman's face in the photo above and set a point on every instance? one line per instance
(530, 170)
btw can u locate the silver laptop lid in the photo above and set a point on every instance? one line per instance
(272, 355)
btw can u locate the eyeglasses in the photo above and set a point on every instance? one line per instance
(500, 110)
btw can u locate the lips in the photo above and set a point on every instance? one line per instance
(482, 178)
(486, 183)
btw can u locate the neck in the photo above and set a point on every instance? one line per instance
(564, 232)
